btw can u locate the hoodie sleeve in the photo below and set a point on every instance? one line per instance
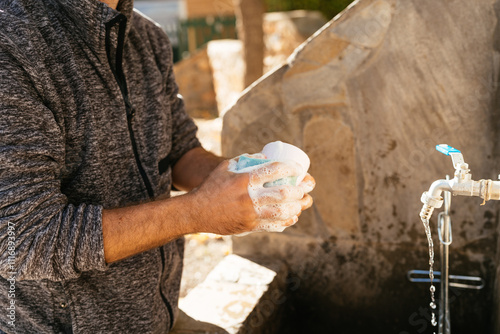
(42, 236)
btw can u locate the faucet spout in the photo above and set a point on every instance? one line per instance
(438, 186)
(432, 199)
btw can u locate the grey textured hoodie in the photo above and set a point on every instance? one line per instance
(89, 119)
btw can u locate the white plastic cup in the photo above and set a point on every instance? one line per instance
(276, 151)
(279, 151)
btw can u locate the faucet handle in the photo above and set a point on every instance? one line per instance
(456, 155)
(461, 168)
(446, 149)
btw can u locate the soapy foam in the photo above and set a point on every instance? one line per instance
(273, 174)
(280, 193)
(272, 217)
(274, 214)
(266, 225)
(270, 226)
(269, 180)
(232, 166)
(307, 186)
(237, 165)
(279, 211)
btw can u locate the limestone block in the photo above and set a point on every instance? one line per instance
(262, 121)
(334, 169)
(238, 296)
(209, 131)
(226, 62)
(194, 78)
(285, 31)
(369, 27)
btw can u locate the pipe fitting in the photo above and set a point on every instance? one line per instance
(432, 201)
(437, 188)
(489, 189)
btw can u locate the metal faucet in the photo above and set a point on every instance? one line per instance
(461, 184)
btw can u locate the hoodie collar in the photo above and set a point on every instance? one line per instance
(89, 17)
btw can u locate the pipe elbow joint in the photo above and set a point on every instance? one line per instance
(432, 197)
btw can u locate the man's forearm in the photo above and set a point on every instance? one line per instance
(218, 203)
(193, 168)
(135, 229)
(131, 230)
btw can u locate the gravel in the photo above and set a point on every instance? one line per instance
(201, 255)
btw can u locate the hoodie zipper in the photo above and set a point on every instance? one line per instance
(120, 79)
(122, 83)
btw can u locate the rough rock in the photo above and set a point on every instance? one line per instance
(195, 80)
(228, 68)
(368, 97)
(285, 31)
(239, 296)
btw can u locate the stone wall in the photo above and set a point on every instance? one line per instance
(368, 98)
(194, 76)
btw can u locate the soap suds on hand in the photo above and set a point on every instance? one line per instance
(275, 175)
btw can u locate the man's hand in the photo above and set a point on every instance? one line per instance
(233, 203)
(221, 204)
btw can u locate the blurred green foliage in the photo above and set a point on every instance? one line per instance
(329, 8)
